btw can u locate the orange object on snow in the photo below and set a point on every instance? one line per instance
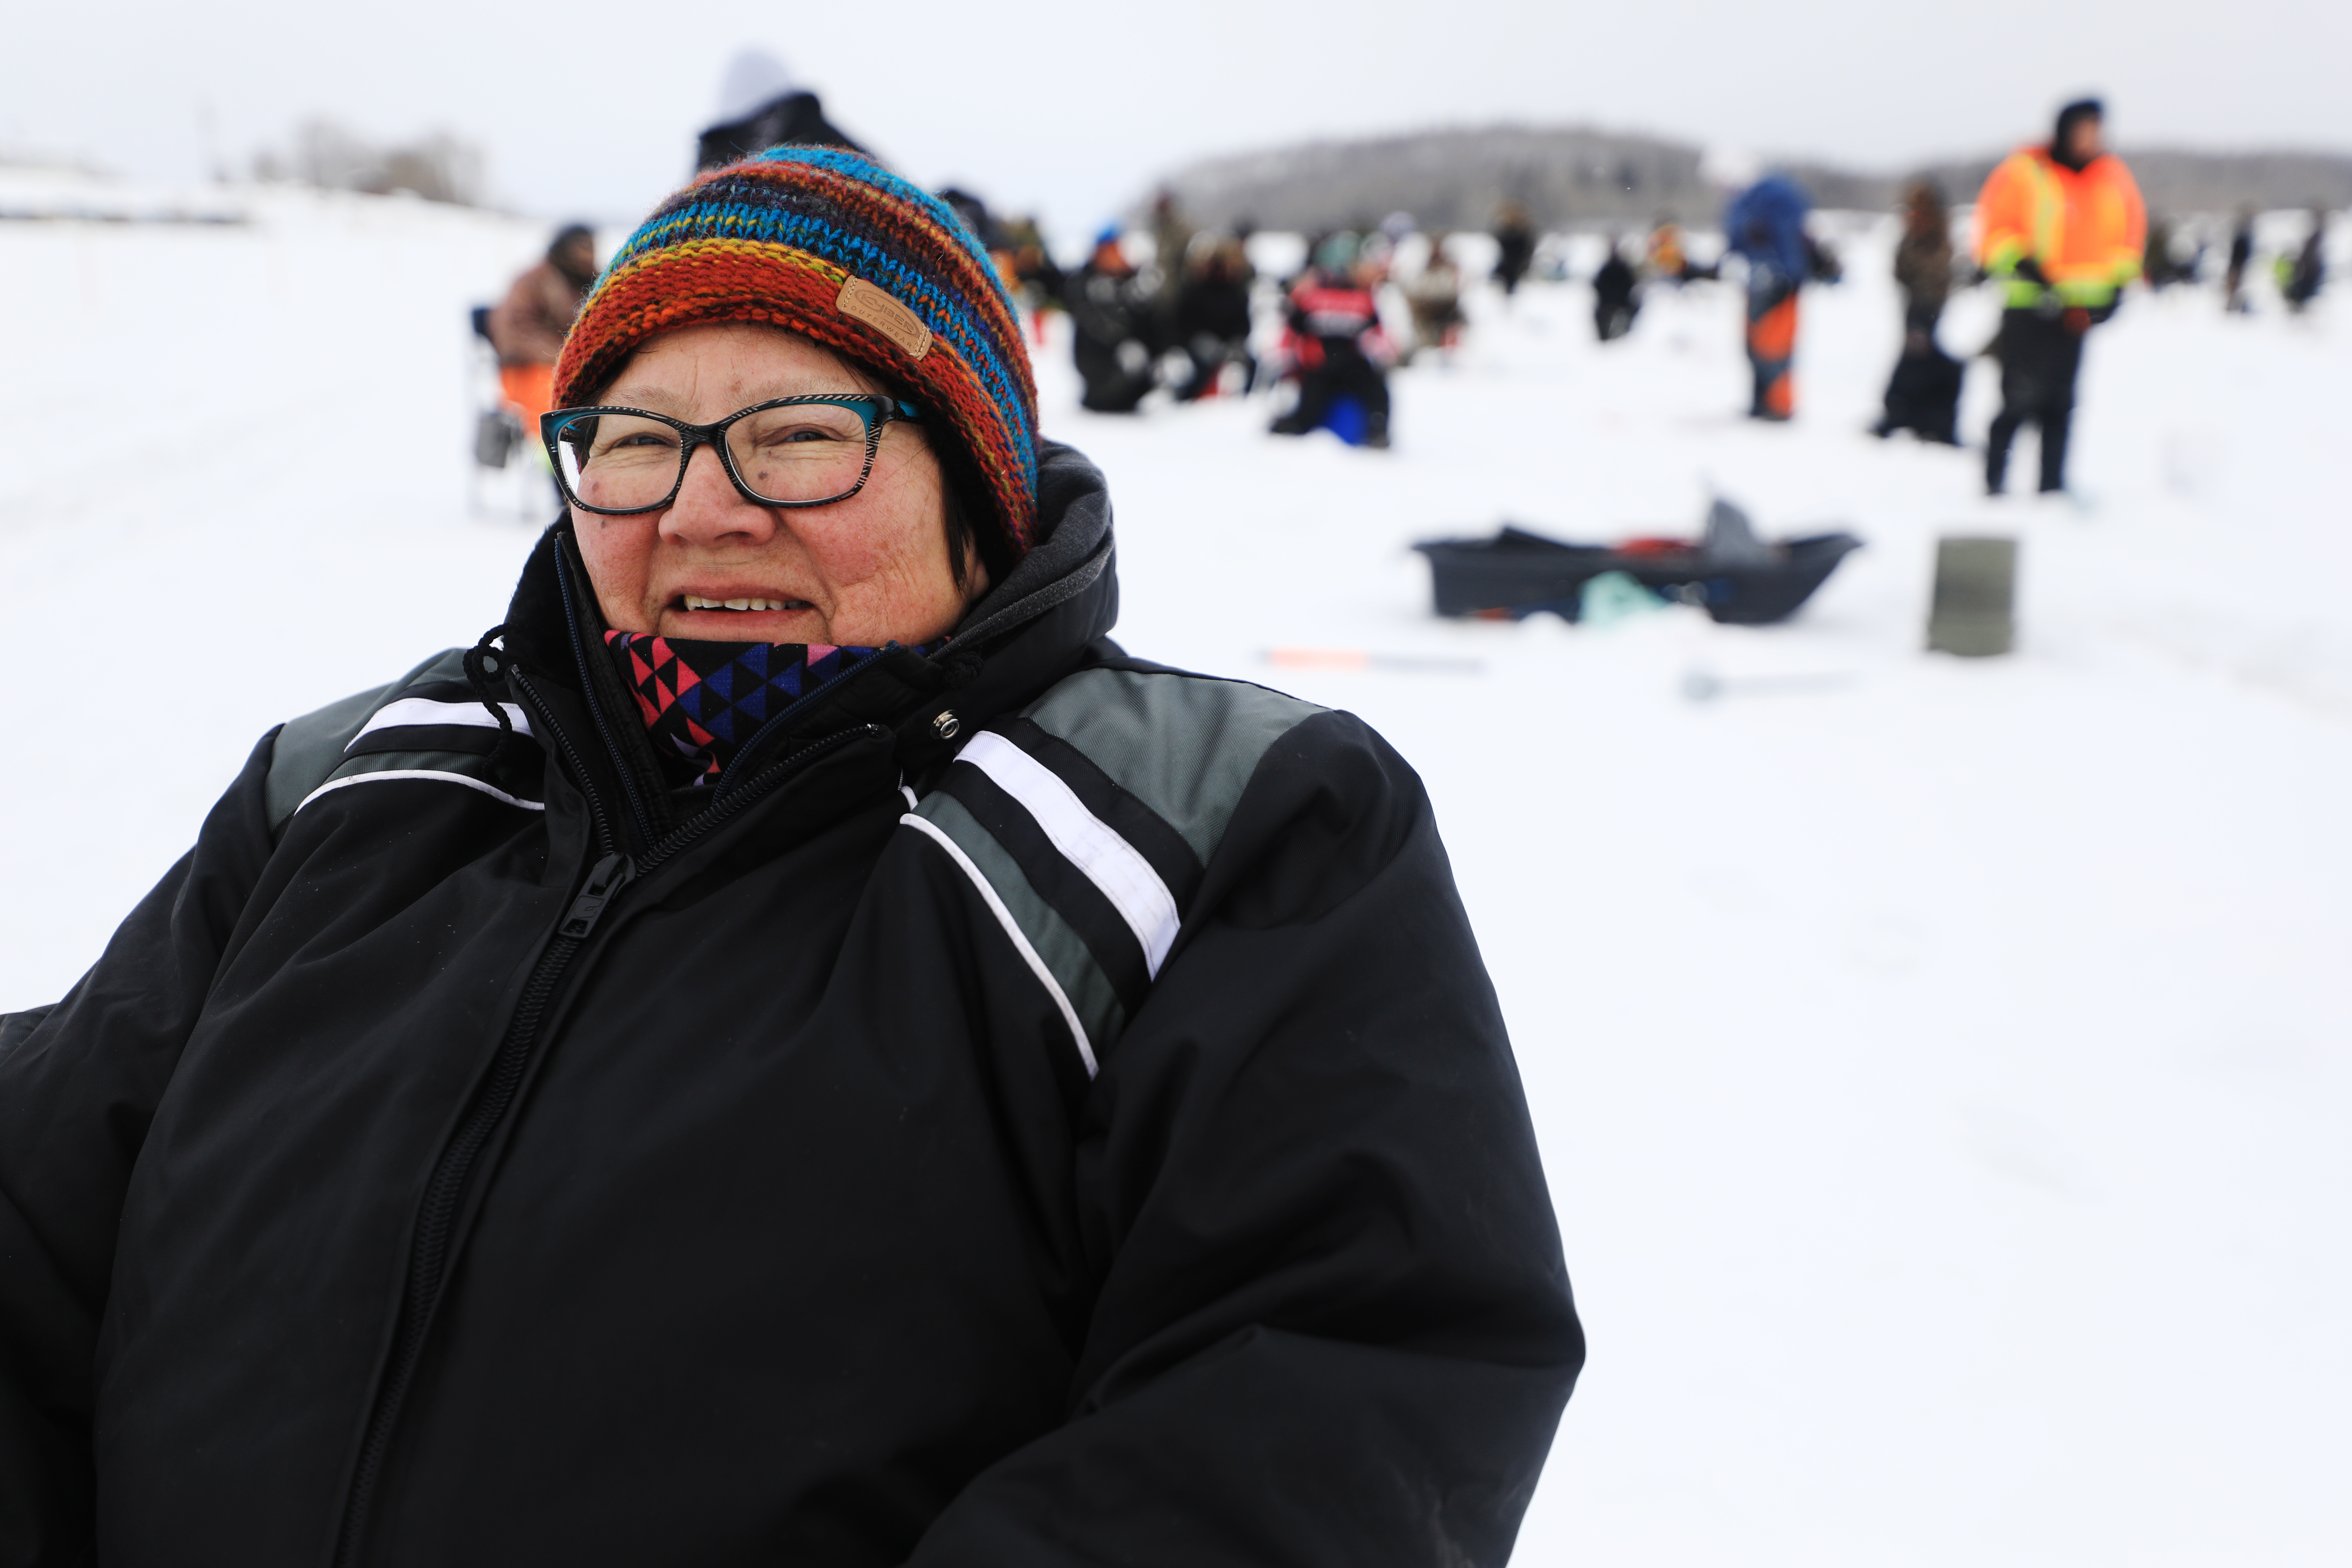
(1773, 351)
(530, 389)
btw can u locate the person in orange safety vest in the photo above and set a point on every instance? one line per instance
(2062, 229)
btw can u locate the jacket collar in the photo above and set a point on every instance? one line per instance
(1027, 632)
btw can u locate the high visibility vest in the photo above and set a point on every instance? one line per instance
(2088, 231)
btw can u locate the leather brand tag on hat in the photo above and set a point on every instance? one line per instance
(879, 311)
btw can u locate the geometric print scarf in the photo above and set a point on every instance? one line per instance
(700, 701)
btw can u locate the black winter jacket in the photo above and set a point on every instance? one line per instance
(1044, 1109)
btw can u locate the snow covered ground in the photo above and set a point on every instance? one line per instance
(1942, 1067)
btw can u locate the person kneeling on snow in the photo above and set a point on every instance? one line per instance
(795, 1047)
(1113, 332)
(1340, 354)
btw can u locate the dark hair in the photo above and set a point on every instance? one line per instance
(2080, 109)
(960, 482)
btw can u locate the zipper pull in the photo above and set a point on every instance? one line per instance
(610, 874)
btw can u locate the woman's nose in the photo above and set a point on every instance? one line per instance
(710, 511)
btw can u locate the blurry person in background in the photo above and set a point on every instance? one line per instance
(1924, 394)
(1433, 295)
(2060, 229)
(2309, 269)
(982, 222)
(1766, 226)
(1515, 245)
(1337, 351)
(1212, 320)
(1923, 257)
(986, 228)
(527, 327)
(1615, 295)
(1666, 260)
(1036, 281)
(1172, 245)
(1114, 333)
(2157, 263)
(759, 107)
(2241, 256)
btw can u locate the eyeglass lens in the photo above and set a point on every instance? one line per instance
(802, 452)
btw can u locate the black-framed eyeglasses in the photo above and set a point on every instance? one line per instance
(793, 451)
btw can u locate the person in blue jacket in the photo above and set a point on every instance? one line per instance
(1766, 225)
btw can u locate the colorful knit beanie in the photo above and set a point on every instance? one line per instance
(829, 245)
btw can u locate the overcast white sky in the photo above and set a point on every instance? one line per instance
(590, 106)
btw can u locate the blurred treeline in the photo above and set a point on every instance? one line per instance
(1573, 177)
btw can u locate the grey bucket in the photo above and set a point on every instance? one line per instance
(1974, 614)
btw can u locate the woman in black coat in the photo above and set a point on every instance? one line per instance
(794, 1048)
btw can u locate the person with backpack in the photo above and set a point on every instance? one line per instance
(2061, 228)
(794, 1047)
(1765, 225)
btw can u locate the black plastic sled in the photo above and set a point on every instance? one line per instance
(1737, 578)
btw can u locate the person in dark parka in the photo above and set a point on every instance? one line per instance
(795, 120)
(794, 1048)
(1213, 321)
(2309, 270)
(1114, 329)
(1515, 245)
(1616, 295)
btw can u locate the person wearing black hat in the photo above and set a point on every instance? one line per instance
(2061, 228)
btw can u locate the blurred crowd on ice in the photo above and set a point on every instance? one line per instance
(1161, 310)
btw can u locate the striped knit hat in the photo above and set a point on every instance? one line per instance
(829, 245)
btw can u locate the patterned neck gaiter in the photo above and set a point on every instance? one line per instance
(701, 700)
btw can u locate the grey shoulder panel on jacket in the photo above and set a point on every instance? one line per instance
(1185, 745)
(315, 747)
(1086, 821)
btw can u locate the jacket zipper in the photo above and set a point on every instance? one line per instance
(637, 812)
(428, 1254)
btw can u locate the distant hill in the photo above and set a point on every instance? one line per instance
(1572, 176)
